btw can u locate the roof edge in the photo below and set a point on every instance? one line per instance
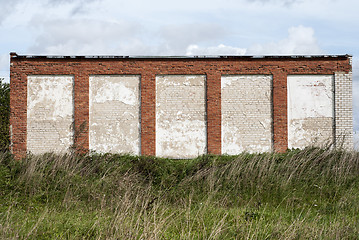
(15, 55)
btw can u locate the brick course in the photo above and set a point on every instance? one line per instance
(212, 67)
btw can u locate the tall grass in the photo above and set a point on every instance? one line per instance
(301, 194)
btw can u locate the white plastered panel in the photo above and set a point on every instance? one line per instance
(50, 111)
(180, 116)
(114, 114)
(310, 110)
(246, 113)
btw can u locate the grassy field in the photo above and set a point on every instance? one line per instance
(307, 194)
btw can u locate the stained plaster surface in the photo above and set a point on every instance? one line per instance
(180, 116)
(246, 113)
(114, 114)
(310, 110)
(50, 111)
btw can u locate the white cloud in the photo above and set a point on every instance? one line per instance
(7, 8)
(90, 37)
(356, 102)
(300, 41)
(4, 61)
(177, 38)
(21, 11)
(221, 49)
(356, 95)
(78, 6)
(356, 141)
(283, 2)
(4, 66)
(356, 105)
(85, 36)
(59, 2)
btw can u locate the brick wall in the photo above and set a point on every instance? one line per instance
(213, 68)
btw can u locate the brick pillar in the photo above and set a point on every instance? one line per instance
(148, 114)
(214, 113)
(280, 116)
(81, 114)
(343, 133)
(18, 111)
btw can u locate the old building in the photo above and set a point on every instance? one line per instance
(179, 107)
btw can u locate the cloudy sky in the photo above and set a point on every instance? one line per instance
(186, 27)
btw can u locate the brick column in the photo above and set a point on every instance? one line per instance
(148, 114)
(81, 114)
(343, 133)
(214, 113)
(280, 115)
(18, 111)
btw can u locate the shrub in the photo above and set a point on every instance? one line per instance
(4, 115)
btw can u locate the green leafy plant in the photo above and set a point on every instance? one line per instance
(4, 115)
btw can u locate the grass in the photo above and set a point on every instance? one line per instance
(301, 194)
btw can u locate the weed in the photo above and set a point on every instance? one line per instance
(301, 194)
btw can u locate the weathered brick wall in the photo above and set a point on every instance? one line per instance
(50, 111)
(114, 120)
(180, 116)
(310, 110)
(246, 113)
(213, 68)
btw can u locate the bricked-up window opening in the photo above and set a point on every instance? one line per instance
(246, 113)
(114, 114)
(50, 113)
(180, 116)
(310, 110)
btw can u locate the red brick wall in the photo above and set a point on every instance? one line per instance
(148, 68)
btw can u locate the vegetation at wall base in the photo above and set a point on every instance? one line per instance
(4, 115)
(301, 194)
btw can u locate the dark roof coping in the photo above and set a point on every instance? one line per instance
(15, 55)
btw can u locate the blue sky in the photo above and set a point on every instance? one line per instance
(186, 27)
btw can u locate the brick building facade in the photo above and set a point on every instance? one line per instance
(179, 106)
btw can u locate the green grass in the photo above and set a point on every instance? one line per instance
(301, 194)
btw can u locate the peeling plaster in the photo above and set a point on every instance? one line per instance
(310, 110)
(246, 113)
(180, 116)
(114, 114)
(49, 114)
